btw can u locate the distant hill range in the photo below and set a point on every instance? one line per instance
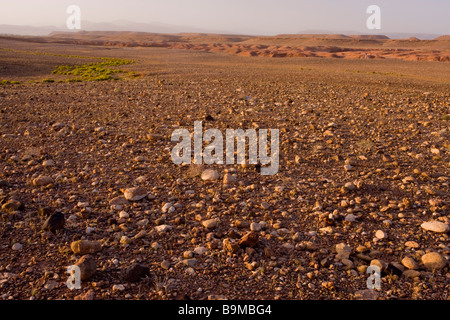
(155, 27)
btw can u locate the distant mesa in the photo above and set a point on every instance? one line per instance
(370, 37)
(446, 38)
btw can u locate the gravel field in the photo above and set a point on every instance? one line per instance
(363, 177)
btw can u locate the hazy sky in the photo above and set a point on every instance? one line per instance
(242, 16)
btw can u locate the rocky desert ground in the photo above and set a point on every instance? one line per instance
(85, 130)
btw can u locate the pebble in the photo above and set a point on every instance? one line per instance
(411, 273)
(135, 193)
(230, 245)
(118, 201)
(433, 261)
(51, 284)
(368, 294)
(410, 263)
(379, 263)
(17, 246)
(435, 226)
(350, 218)
(42, 181)
(200, 250)
(190, 262)
(166, 207)
(83, 247)
(136, 272)
(349, 186)
(12, 205)
(229, 178)
(190, 271)
(165, 264)
(254, 226)
(210, 174)
(123, 214)
(48, 163)
(380, 234)
(412, 244)
(118, 287)
(211, 223)
(343, 251)
(87, 266)
(249, 240)
(163, 228)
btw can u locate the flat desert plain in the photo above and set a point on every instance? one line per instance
(85, 130)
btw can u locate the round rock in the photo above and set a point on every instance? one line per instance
(433, 261)
(435, 226)
(135, 194)
(210, 174)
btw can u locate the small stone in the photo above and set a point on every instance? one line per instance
(55, 222)
(380, 234)
(165, 264)
(435, 151)
(229, 178)
(410, 263)
(135, 194)
(120, 201)
(254, 226)
(17, 246)
(249, 240)
(348, 167)
(343, 251)
(265, 205)
(379, 263)
(86, 296)
(210, 174)
(348, 263)
(190, 271)
(125, 240)
(42, 181)
(349, 186)
(408, 179)
(350, 218)
(163, 228)
(48, 163)
(165, 208)
(411, 273)
(83, 247)
(87, 266)
(412, 244)
(200, 251)
(118, 287)
(190, 262)
(12, 205)
(368, 294)
(136, 272)
(435, 226)
(51, 284)
(123, 214)
(361, 249)
(433, 261)
(188, 254)
(211, 223)
(230, 245)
